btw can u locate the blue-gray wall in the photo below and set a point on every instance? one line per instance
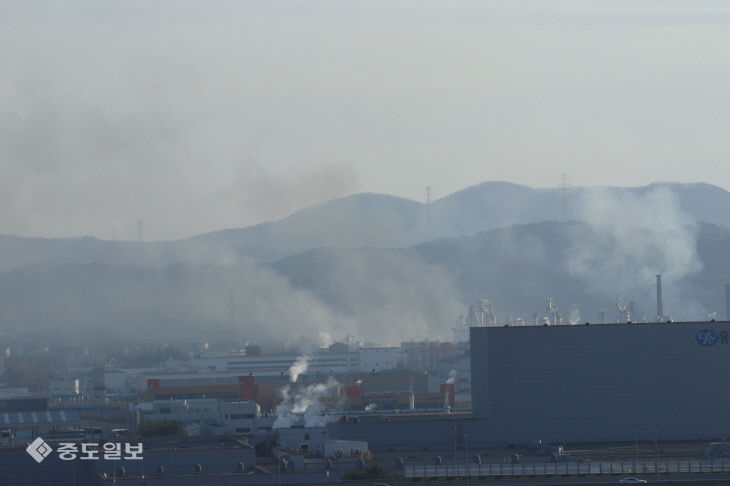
(17, 468)
(594, 382)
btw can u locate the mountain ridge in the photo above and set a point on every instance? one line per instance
(370, 220)
(378, 294)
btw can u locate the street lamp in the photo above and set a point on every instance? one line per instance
(636, 446)
(456, 461)
(466, 439)
(656, 449)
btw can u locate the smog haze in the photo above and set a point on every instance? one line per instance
(198, 117)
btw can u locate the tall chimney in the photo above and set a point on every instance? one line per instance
(659, 310)
(727, 302)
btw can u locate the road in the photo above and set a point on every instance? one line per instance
(664, 479)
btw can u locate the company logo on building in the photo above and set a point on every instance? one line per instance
(68, 451)
(707, 337)
(38, 450)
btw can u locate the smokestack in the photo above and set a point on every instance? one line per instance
(727, 302)
(412, 401)
(659, 310)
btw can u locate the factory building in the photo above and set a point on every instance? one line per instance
(614, 382)
(320, 363)
(214, 416)
(231, 388)
(354, 398)
(27, 425)
(378, 359)
(302, 438)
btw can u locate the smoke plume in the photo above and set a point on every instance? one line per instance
(307, 406)
(300, 366)
(633, 238)
(452, 376)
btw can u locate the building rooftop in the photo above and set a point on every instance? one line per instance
(39, 418)
(606, 324)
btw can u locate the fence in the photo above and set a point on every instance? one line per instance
(418, 471)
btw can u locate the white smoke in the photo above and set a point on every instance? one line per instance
(370, 407)
(299, 367)
(307, 405)
(325, 338)
(633, 238)
(574, 316)
(452, 376)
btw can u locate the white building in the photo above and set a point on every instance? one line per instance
(130, 380)
(64, 388)
(216, 417)
(244, 418)
(303, 438)
(373, 360)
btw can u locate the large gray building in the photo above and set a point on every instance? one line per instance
(585, 383)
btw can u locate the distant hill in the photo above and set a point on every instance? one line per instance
(583, 267)
(362, 219)
(379, 294)
(365, 220)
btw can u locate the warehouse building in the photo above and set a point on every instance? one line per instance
(614, 382)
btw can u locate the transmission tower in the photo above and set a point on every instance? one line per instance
(428, 211)
(140, 229)
(564, 187)
(232, 309)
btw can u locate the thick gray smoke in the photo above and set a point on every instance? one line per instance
(390, 296)
(93, 162)
(633, 238)
(379, 297)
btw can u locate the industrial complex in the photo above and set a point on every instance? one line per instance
(541, 396)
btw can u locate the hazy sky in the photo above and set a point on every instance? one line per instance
(198, 116)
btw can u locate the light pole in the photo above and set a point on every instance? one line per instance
(466, 440)
(456, 462)
(656, 449)
(636, 446)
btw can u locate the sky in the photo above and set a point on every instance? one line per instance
(197, 116)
